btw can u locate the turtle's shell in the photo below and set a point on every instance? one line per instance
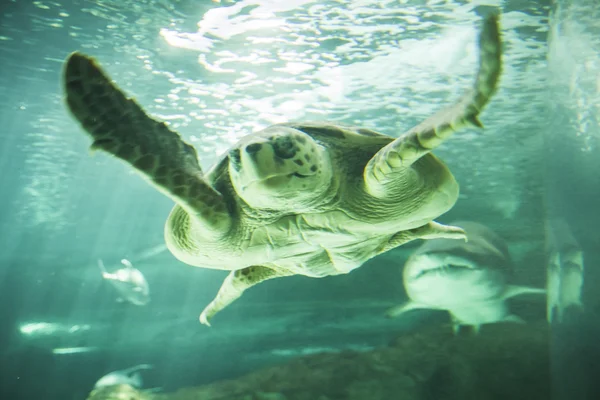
(346, 229)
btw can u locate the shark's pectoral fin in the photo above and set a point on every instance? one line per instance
(475, 328)
(404, 308)
(515, 290)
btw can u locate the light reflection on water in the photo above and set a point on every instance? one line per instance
(218, 71)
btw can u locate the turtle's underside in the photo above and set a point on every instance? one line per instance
(310, 198)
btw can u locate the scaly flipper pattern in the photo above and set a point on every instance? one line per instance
(119, 126)
(423, 138)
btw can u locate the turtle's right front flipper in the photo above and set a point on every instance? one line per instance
(119, 126)
(393, 159)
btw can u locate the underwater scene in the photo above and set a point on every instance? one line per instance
(300, 199)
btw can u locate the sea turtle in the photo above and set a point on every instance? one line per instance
(306, 198)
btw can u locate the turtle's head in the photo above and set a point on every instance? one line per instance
(280, 168)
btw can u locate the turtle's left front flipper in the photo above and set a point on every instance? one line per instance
(420, 140)
(234, 285)
(119, 126)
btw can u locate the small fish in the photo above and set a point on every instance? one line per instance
(468, 279)
(73, 350)
(129, 282)
(565, 271)
(130, 376)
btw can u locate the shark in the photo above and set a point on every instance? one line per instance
(565, 271)
(469, 279)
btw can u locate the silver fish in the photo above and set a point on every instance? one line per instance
(565, 271)
(468, 279)
(130, 376)
(129, 282)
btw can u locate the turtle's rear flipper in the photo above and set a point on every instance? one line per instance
(234, 285)
(431, 230)
(420, 140)
(119, 126)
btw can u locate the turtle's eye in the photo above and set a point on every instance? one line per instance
(253, 148)
(235, 158)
